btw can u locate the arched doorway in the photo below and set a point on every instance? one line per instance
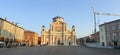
(2, 39)
(115, 43)
(69, 39)
(58, 41)
(69, 43)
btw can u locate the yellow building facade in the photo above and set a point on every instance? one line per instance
(58, 33)
(10, 31)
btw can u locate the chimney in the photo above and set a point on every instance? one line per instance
(12, 22)
(5, 18)
(16, 24)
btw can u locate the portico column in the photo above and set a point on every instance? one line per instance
(51, 39)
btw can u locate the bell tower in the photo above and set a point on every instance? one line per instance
(43, 28)
(73, 35)
(73, 28)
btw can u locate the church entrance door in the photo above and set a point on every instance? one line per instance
(58, 42)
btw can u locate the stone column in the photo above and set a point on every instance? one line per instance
(64, 40)
(72, 39)
(51, 39)
(51, 34)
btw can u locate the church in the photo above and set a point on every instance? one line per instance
(58, 33)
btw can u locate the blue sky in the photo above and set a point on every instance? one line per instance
(32, 14)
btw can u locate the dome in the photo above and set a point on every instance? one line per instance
(58, 18)
(43, 26)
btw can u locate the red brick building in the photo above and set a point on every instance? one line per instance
(95, 37)
(31, 38)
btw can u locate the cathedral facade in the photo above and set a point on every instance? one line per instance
(58, 33)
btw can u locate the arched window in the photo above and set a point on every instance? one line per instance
(58, 30)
